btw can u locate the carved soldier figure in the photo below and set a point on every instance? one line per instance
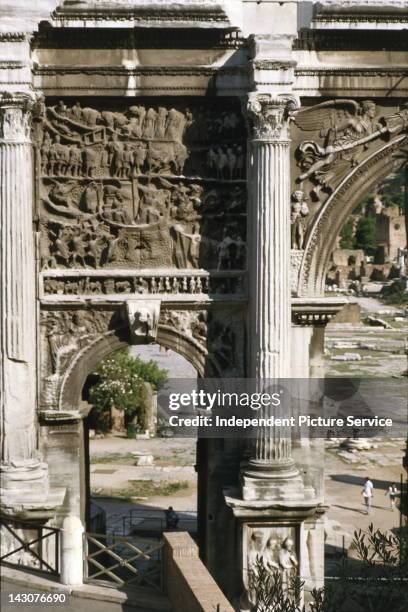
(127, 160)
(58, 157)
(139, 156)
(118, 166)
(149, 123)
(299, 210)
(76, 111)
(60, 248)
(231, 162)
(92, 161)
(74, 161)
(95, 246)
(161, 122)
(176, 123)
(240, 161)
(167, 284)
(240, 252)
(45, 151)
(221, 162)
(104, 163)
(176, 285)
(78, 248)
(211, 160)
(224, 251)
(192, 284)
(138, 114)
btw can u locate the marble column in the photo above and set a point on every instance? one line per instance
(24, 482)
(271, 473)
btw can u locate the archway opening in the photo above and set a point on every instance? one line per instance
(134, 471)
(367, 342)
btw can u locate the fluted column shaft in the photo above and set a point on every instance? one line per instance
(269, 268)
(269, 278)
(19, 459)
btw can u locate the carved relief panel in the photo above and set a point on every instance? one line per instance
(339, 149)
(330, 139)
(141, 186)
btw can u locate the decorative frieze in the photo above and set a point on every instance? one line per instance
(162, 284)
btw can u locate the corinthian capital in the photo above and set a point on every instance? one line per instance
(15, 116)
(268, 115)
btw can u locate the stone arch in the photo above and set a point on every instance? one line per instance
(102, 346)
(334, 213)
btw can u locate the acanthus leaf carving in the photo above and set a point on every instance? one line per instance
(15, 116)
(268, 115)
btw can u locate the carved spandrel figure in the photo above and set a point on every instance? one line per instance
(346, 127)
(299, 211)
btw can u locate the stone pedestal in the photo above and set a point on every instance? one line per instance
(24, 478)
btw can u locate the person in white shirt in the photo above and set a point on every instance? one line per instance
(367, 493)
(392, 493)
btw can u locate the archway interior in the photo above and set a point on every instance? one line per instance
(133, 471)
(371, 243)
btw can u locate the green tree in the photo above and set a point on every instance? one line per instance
(366, 235)
(120, 379)
(347, 239)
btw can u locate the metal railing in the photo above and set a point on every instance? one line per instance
(24, 543)
(116, 560)
(152, 523)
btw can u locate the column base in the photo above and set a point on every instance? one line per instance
(25, 492)
(280, 482)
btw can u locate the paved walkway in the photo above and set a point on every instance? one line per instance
(73, 603)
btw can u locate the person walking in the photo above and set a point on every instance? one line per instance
(392, 493)
(367, 493)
